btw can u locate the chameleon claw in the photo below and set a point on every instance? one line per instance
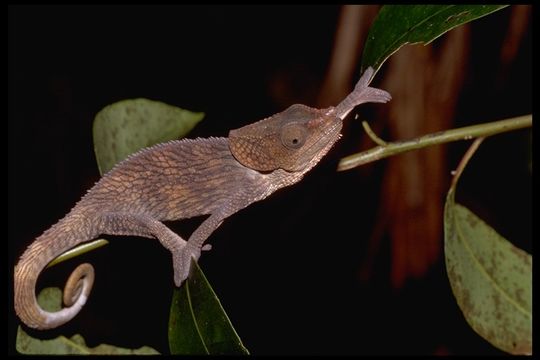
(362, 93)
(365, 79)
(206, 247)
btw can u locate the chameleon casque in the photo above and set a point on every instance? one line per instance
(183, 179)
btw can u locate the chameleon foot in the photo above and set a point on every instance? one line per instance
(182, 261)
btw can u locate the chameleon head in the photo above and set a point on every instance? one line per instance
(293, 140)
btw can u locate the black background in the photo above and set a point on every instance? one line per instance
(285, 269)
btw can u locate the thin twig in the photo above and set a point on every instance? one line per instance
(377, 140)
(465, 160)
(464, 133)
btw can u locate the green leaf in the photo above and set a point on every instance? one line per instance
(491, 279)
(50, 299)
(197, 323)
(75, 345)
(397, 25)
(127, 126)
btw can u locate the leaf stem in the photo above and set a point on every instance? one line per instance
(464, 161)
(441, 137)
(377, 140)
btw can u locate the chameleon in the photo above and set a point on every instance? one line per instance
(179, 179)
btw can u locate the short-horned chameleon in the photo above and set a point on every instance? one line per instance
(182, 179)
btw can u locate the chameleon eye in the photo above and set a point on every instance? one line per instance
(293, 136)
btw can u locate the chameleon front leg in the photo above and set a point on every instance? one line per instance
(146, 226)
(362, 93)
(194, 245)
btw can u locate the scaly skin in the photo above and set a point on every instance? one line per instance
(182, 179)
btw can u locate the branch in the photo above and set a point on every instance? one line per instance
(441, 137)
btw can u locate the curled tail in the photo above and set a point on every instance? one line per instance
(68, 232)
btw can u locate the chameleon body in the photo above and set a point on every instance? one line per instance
(182, 179)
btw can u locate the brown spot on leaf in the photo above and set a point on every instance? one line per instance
(519, 294)
(457, 17)
(522, 255)
(466, 304)
(471, 220)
